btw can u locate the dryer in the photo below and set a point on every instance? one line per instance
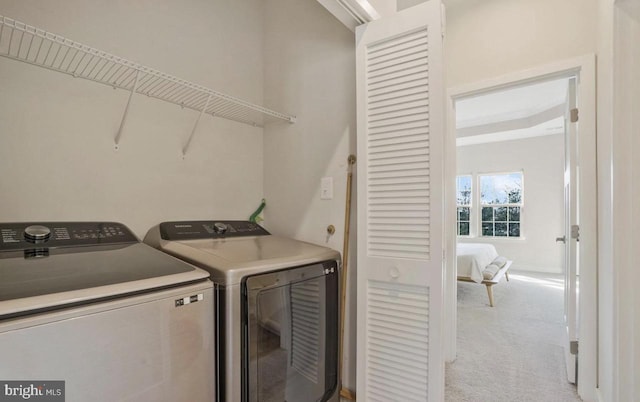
(277, 308)
(89, 313)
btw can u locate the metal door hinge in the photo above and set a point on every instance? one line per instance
(573, 347)
(574, 115)
(575, 232)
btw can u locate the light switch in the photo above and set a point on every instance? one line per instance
(326, 188)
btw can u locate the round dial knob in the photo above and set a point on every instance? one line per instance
(37, 233)
(220, 227)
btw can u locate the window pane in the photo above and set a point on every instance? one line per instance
(463, 214)
(487, 229)
(496, 189)
(514, 230)
(487, 213)
(501, 229)
(463, 229)
(463, 186)
(514, 214)
(501, 188)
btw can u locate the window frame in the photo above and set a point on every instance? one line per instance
(469, 206)
(507, 205)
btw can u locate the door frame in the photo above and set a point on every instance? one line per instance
(571, 244)
(585, 68)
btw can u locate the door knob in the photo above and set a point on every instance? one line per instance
(562, 239)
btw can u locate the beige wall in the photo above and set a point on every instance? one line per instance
(542, 161)
(310, 72)
(619, 146)
(630, 36)
(57, 133)
(402, 4)
(489, 38)
(607, 320)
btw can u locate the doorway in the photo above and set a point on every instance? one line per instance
(511, 223)
(510, 208)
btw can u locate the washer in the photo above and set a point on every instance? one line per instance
(277, 308)
(87, 303)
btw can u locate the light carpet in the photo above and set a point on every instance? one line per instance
(513, 351)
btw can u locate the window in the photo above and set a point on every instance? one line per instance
(501, 204)
(463, 188)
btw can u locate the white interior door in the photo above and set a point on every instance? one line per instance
(400, 206)
(570, 237)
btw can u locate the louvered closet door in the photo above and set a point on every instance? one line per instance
(400, 208)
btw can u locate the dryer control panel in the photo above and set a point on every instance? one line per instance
(191, 230)
(27, 235)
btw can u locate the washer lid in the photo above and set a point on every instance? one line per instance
(255, 251)
(40, 277)
(231, 258)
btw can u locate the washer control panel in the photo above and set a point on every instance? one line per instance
(191, 230)
(22, 236)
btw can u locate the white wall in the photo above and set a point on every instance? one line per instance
(607, 319)
(489, 38)
(628, 75)
(618, 91)
(626, 190)
(542, 160)
(310, 72)
(57, 133)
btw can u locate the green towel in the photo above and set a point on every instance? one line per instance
(254, 216)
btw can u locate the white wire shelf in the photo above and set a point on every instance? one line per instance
(25, 43)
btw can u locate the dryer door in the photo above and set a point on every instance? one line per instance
(290, 334)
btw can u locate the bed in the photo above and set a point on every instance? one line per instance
(480, 263)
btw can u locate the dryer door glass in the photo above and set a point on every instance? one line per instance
(291, 337)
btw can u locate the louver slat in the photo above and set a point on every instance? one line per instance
(398, 342)
(388, 47)
(398, 146)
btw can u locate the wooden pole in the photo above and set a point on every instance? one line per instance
(345, 393)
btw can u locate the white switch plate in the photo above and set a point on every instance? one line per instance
(326, 188)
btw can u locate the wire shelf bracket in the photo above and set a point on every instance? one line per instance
(126, 110)
(195, 127)
(31, 45)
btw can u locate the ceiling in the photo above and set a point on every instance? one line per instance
(519, 112)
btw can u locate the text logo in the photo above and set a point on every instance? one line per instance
(40, 391)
